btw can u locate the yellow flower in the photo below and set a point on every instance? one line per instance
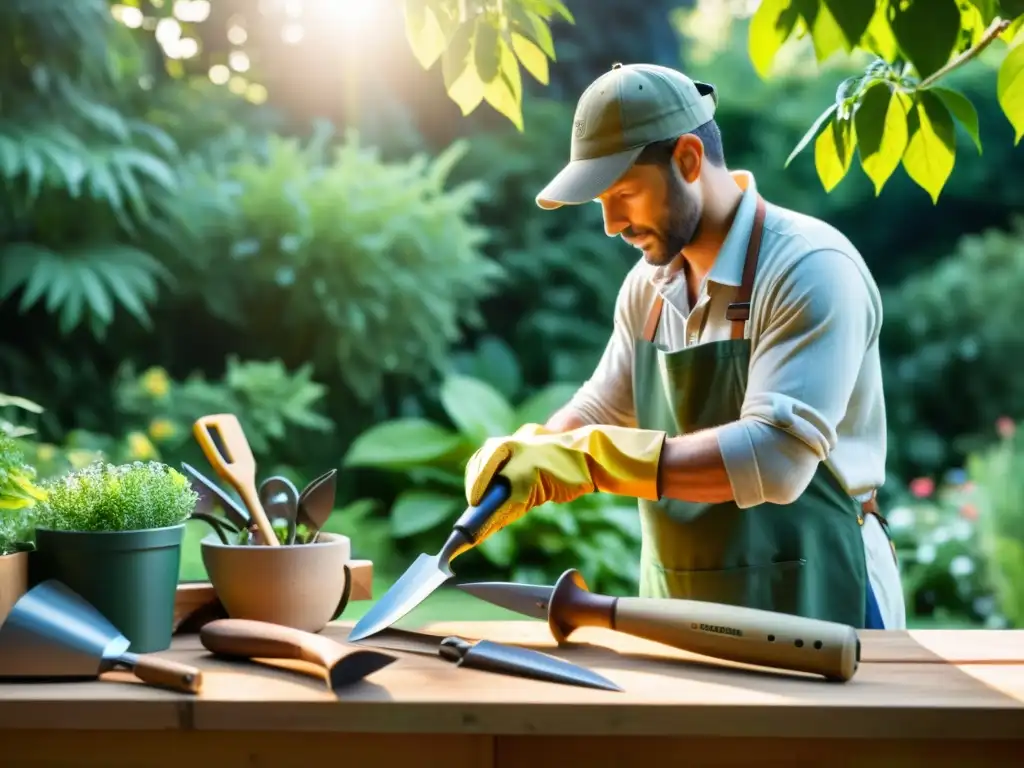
(161, 429)
(139, 447)
(155, 382)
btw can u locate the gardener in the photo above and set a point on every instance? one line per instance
(740, 394)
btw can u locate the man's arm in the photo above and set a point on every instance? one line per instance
(822, 317)
(607, 396)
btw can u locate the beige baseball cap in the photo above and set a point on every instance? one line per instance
(620, 113)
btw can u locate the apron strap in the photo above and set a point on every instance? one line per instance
(738, 311)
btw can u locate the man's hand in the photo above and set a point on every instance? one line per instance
(543, 466)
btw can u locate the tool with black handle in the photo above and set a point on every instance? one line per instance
(429, 572)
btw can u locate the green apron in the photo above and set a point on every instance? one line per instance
(805, 558)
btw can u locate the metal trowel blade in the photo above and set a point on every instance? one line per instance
(528, 599)
(415, 585)
(52, 632)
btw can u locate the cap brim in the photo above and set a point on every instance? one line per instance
(583, 180)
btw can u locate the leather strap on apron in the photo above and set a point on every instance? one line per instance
(738, 312)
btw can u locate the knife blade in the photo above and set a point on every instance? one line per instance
(489, 656)
(429, 572)
(729, 632)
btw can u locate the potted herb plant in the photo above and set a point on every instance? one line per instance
(18, 496)
(113, 534)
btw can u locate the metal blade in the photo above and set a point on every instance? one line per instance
(525, 662)
(354, 667)
(416, 585)
(528, 599)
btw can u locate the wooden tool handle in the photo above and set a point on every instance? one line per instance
(163, 672)
(238, 466)
(250, 639)
(746, 635)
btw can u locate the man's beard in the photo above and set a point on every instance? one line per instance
(680, 225)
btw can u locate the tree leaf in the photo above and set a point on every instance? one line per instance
(963, 110)
(852, 18)
(476, 408)
(987, 9)
(424, 33)
(505, 92)
(881, 124)
(1010, 89)
(486, 49)
(833, 152)
(879, 38)
(770, 27)
(811, 133)
(417, 511)
(931, 149)
(461, 80)
(559, 7)
(401, 443)
(532, 57)
(926, 31)
(826, 35)
(534, 28)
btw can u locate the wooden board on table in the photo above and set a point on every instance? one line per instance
(667, 693)
(957, 646)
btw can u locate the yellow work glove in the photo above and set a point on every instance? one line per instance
(543, 466)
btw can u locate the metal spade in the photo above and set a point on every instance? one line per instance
(429, 572)
(53, 633)
(280, 499)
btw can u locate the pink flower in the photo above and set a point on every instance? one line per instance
(1005, 426)
(922, 487)
(969, 512)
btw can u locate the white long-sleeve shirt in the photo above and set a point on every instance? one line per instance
(814, 390)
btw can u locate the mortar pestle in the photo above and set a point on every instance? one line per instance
(304, 586)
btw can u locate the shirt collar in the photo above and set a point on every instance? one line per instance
(728, 266)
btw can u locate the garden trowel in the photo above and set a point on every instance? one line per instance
(431, 571)
(729, 632)
(52, 632)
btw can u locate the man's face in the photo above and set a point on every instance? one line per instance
(653, 208)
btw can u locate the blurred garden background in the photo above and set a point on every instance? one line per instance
(271, 208)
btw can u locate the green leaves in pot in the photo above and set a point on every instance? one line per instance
(126, 497)
(18, 495)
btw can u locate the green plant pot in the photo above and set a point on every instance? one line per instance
(131, 577)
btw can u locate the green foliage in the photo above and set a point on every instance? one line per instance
(267, 398)
(942, 562)
(481, 45)
(893, 112)
(949, 331)
(9, 428)
(18, 496)
(599, 534)
(370, 268)
(563, 271)
(65, 145)
(999, 473)
(125, 497)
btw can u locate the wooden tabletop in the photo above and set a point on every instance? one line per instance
(910, 684)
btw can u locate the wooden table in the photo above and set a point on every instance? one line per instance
(924, 697)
